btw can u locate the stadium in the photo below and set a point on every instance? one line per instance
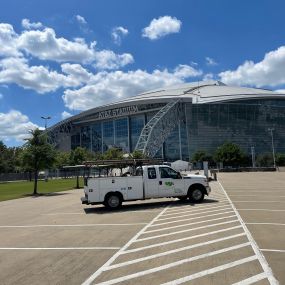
(174, 122)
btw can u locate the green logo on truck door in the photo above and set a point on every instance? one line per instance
(169, 183)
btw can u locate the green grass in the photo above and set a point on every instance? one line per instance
(15, 190)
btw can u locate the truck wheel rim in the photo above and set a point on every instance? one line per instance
(197, 194)
(114, 201)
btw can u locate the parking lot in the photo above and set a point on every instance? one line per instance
(55, 240)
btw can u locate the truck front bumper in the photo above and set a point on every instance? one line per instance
(84, 200)
(208, 189)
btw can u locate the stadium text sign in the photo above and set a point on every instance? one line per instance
(118, 112)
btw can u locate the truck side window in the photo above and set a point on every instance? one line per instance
(166, 172)
(151, 173)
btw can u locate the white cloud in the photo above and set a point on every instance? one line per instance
(1, 96)
(118, 33)
(268, 72)
(81, 20)
(65, 115)
(208, 76)
(105, 87)
(161, 27)
(282, 91)
(107, 59)
(15, 125)
(210, 61)
(8, 41)
(38, 78)
(26, 24)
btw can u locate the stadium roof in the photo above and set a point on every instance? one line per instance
(196, 92)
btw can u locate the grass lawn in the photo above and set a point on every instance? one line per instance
(14, 190)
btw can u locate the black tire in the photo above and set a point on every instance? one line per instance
(196, 195)
(113, 201)
(182, 198)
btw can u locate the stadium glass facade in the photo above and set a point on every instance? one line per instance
(203, 127)
(239, 115)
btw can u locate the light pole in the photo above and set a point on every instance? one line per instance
(46, 118)
(272, 142)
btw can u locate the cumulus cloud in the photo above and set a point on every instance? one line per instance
(26, 24)
(8, 41)
(161, 27)
(81, 20)
(210, 61)
(38, 78)
(268, 72)
(107, 59)
(45, 45)
(118, 33)
(65, 115)
(15, 125)
(282, 91)
(105, 87)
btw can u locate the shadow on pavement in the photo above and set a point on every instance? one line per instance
(144, 206)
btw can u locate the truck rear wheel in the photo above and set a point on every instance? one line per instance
(196, 195)
(113, 201)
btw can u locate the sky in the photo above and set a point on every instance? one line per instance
(59, 58)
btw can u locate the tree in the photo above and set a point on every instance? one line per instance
(113, 153)
(230, 154)
(200, 156)
(280, 159)
(79, 155)
(137, 154)
(37, 155)
(62, 159)
(264, 160)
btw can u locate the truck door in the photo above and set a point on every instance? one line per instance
(166, 181)
(151, 184)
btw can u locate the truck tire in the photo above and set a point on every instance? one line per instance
(113, 201)
(196, 195)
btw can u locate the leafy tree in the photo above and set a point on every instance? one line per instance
(78, 156)
(280, 159)
(137, 154)
(113, 153)
(9, 158)
(62, 159)
(230, 154)
(37, 155)
(200, 156)
(264, 160)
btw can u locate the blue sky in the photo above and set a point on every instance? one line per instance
(58, 58)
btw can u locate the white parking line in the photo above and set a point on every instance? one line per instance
(89, 280)
(236, 201)
(195, 207)
(57, 248)
(272, 250)
(211, 271)
(179, 240)
(261, 258)
(265, 210)
(173, 264)
(173, 251)
(251, 280)
(195, 213)
(184, 231)
(189, 224)
(268, 224)
(257, 195)
(194, 210)
(195, 218)
(81, 225)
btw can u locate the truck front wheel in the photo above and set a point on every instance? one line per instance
(196, 195)
(113, 201)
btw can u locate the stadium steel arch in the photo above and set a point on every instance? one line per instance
(156, 131)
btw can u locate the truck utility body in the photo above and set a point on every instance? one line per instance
(152, 181)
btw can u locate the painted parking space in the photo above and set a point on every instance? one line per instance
(259, 198)
(189, 243)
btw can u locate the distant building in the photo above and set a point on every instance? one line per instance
(174, 122)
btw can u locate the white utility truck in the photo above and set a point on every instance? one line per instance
(150, 181)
